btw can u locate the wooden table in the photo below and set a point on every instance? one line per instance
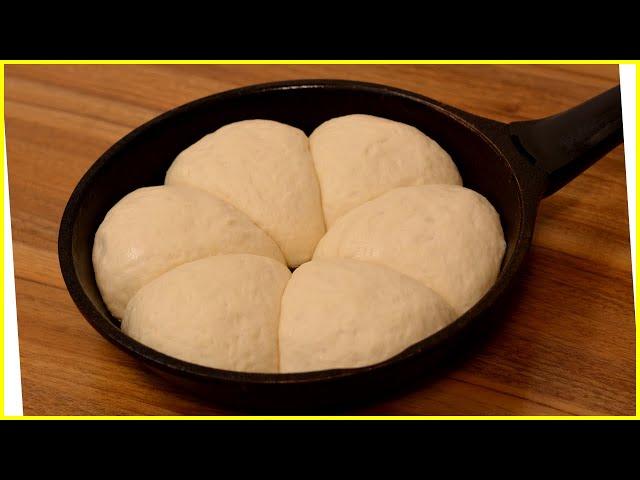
(566, 346)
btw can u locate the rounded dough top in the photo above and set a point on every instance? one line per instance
(155, 229)
(221, 312)
(264, 169)
(448, 237)
(360, 157)
(341, 313)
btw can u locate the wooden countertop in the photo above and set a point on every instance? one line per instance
(566, 346)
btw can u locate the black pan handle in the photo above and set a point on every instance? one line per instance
(566, 144)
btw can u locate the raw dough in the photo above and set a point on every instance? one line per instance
(448, 237)
(154, 229)
(264, 169)
(340, 313)
(360, 157)
(219, 312)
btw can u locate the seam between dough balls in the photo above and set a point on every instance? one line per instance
(274, 160)
(154, 229)
(446, 236)
(361, 157)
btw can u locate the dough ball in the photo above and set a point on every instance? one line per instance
(220, 312)
(264, 169)
(447, 237)
(341, 313)
(360, 157)
(155, 229)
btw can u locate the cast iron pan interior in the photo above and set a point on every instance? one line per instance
(494, 159)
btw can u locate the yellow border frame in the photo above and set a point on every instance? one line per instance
(313, 62)
(318, 62)
(2, 243)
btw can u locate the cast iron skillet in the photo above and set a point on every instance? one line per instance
(514, 166)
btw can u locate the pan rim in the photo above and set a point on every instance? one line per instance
(173, 365)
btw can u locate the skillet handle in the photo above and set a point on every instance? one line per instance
(566, 144)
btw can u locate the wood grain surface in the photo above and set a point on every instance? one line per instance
(566, 345)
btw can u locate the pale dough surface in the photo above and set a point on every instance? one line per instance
(264, 169)
(220, 312)
(155, 229)
(447, 237)
(342, 313)
(360, 157)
